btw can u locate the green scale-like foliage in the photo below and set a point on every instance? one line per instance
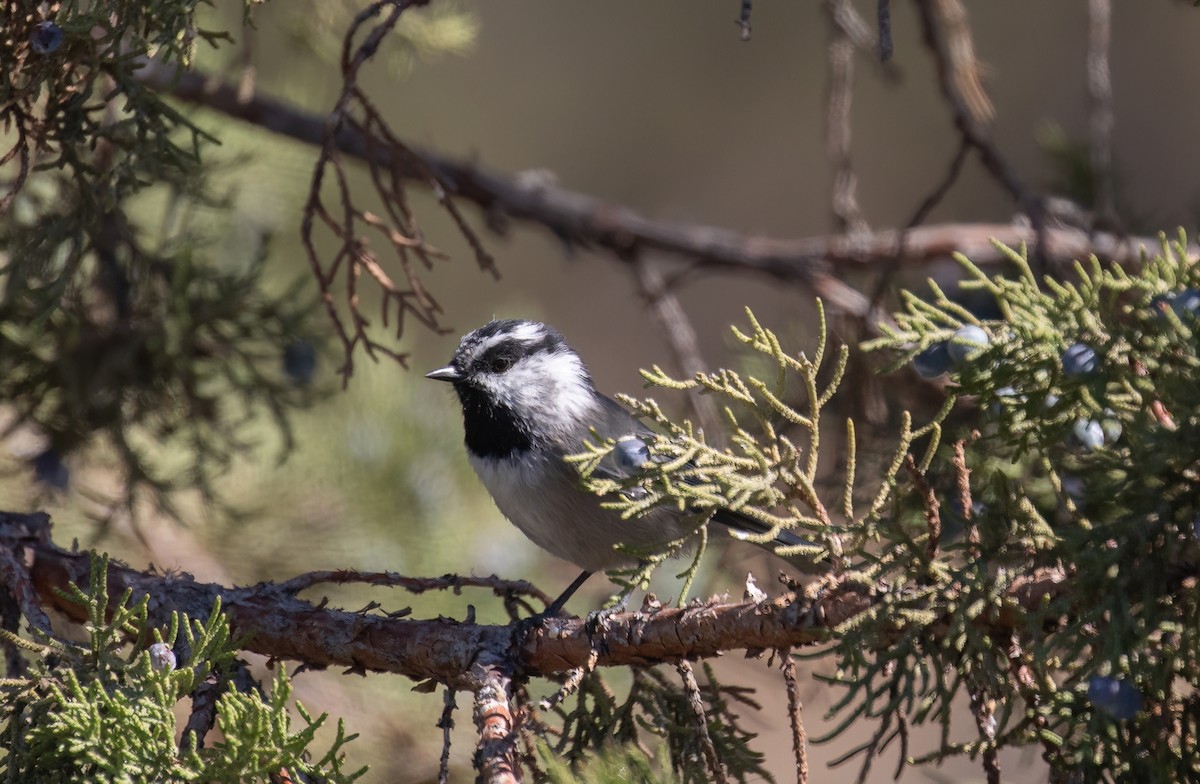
(125, 334)
(1100, 674)
(771, 470)
(1118, 518)
(101, 712)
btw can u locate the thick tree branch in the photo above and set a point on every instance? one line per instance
(277, 624)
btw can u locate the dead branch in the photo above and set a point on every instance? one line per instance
(700, 721)
(795, 716)
(584, 220)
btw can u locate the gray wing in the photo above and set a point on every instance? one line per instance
(618, 424)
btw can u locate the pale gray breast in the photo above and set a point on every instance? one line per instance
(541, 496)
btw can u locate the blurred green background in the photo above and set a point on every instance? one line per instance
(657, 106)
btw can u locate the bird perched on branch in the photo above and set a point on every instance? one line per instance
(528, 402)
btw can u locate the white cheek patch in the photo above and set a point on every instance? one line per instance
(554, 386)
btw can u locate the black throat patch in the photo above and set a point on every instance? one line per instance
(492, 430)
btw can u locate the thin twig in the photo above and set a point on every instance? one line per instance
(948, 38)
(926, 207)
(795, 710)
(962, 475)
(417, 585)
(700, 721)
(676, 327)
(390, 163)
(446, 724)
(933, 507)
(743, 19)
(839, 98)
(1101, 117)
(15, 578)
(861, 34)
(883, 14)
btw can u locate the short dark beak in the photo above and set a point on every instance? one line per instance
(448, 373)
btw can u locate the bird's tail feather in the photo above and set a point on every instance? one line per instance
(737, 523)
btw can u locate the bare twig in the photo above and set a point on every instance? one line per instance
(983, 708)
(948, 38)
(962, 475)
(883, 14)
(743, 19)
(390, 162)
(926, 206)
(947, 35)
(1100, 109)
(935, 198)
(700, 721)
(14, 577)
(959, 68)
(840, 92)
(446, 724)
(846, 17)
(417, 585)
(675, 325)
(795, 710)
(933, 507)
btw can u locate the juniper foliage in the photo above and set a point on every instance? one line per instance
(102, 711)
(1101, 675)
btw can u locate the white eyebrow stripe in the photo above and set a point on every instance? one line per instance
(527, 332)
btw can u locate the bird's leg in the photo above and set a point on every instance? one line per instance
(556, 606)
(525, 626)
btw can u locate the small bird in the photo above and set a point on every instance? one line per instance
(528, 401)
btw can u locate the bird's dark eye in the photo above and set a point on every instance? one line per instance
(500, 363)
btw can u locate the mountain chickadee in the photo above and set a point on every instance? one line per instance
(528, 402)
